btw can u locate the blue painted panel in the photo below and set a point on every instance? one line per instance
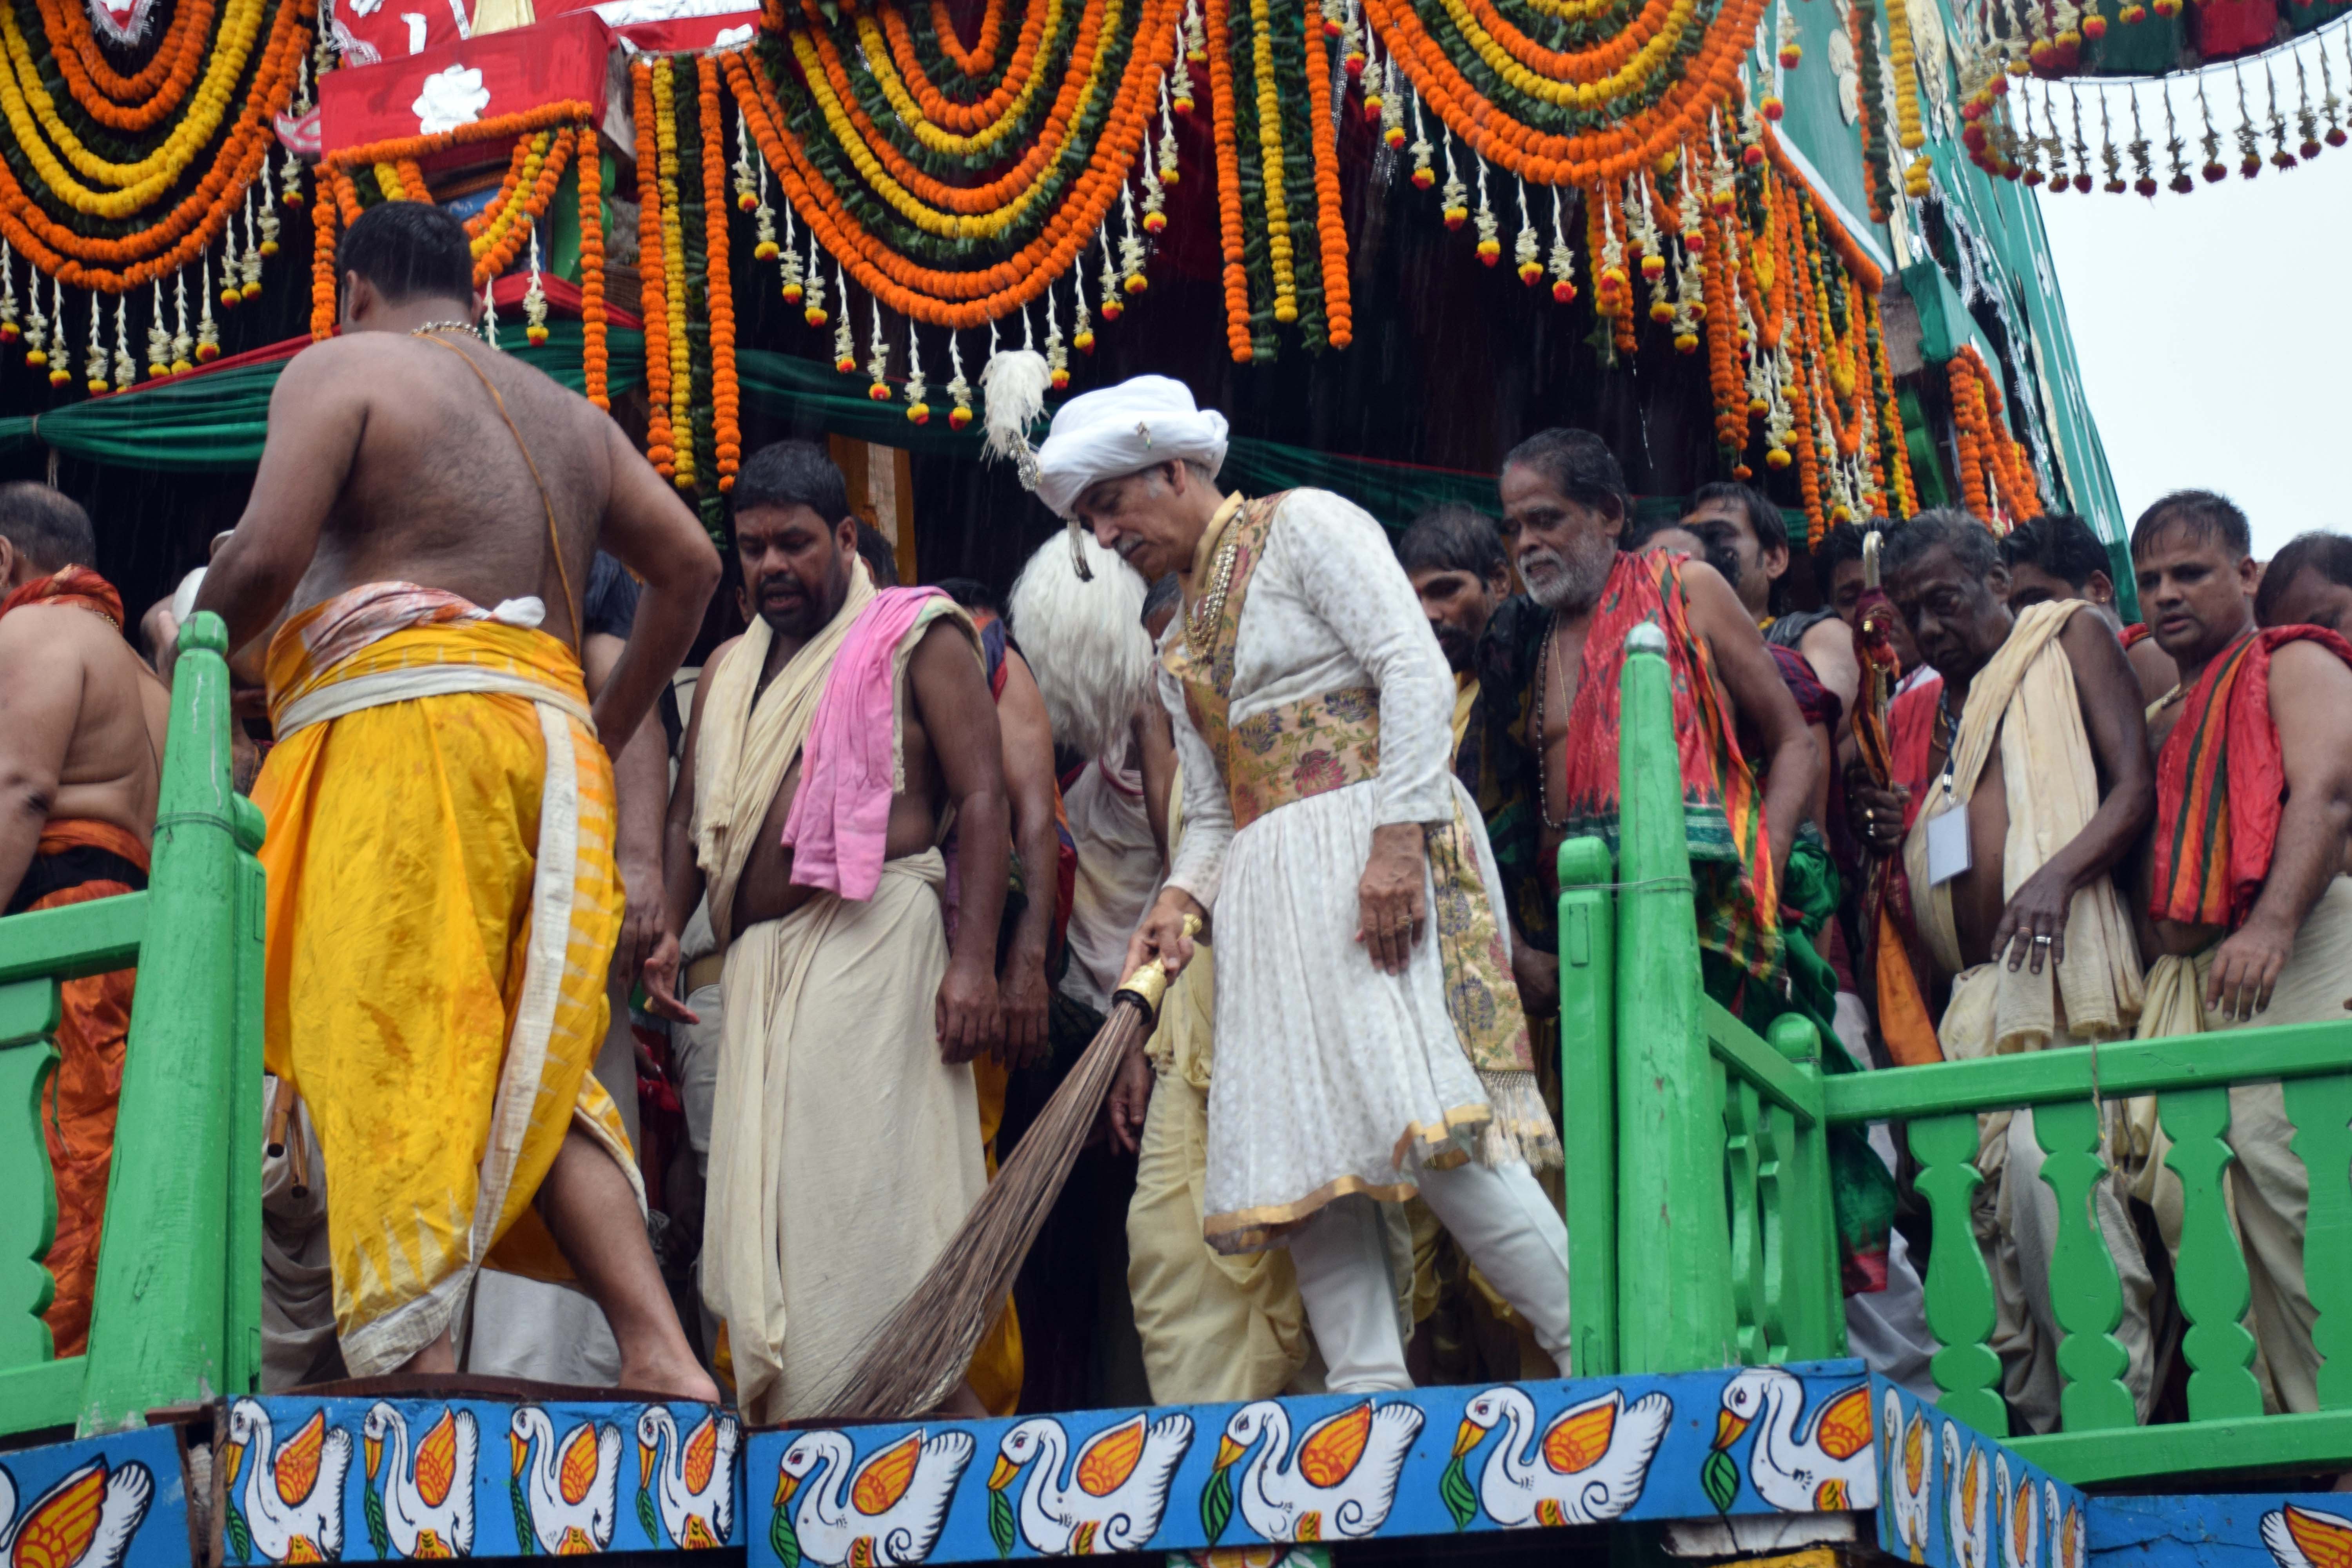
(1431, 1461)
(105, 1502)
(369, 1480)
(2250, 1530)
(1953, 1498)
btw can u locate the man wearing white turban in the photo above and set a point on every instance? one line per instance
(1369, 1041)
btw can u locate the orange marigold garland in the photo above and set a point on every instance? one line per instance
(1996, 475)
(1229, 184)
(596, 359)
(652, 288)
(725, 396)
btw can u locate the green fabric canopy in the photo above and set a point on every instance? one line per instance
(214, 422)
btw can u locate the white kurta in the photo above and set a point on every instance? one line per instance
(1332, 1077)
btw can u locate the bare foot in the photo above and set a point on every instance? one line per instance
(673, 1378)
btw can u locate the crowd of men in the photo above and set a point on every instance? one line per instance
(872, 885)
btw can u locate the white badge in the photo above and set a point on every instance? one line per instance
(1948, 848)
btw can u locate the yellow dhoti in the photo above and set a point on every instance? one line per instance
(443, 906)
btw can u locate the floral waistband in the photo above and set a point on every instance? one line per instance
(1310, 747)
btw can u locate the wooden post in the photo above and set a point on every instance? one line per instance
(1674, 1287)
(157, 1328)
(1588, 1096)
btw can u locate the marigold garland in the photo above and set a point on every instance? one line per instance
(653, 285)
(1229, 185)
(725, 396)
(1996, 475)
(595, 357)
(674, 276)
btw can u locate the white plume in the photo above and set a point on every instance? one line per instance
(1085, 641)
(1013, 382)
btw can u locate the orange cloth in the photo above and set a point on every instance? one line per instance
(77, 1110)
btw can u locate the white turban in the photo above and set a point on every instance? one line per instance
(1123, 429)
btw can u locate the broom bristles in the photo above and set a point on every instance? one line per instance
(922, 1349)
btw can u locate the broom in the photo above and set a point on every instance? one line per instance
(921, 1351)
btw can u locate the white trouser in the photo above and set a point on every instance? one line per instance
(1504, 1224)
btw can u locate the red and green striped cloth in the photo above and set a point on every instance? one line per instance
(2221, 785)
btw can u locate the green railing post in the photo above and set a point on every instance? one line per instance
(1673, 1292)
(1587, 1097)
(158, 1329)
(1817, 1299)
(29, 1012)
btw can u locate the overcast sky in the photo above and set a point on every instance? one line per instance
(2215, 336)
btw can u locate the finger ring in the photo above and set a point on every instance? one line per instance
(2042, 942)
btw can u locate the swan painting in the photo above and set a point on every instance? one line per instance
(1970, 1501)
(1585, 1467)
(1342, 1482)
(2302, 1538)
(1115, 1493)
(2020, 1518)
(285, 1500)
(565, 1493)
(2072, 1541)
(1800, 1463)
(1911, 1473)
(687, 1487)
(882, 1513)
(423, 1505)
(85, 1520)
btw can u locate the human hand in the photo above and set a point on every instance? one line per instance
(1537, 973)
(1020, 1000)
(661, 975)
(1875, 814)
(1162, 936)
(2245, 967)
(2036, 921)
(1130, 1097)
(965, 1012)
(1392, 907)
(645, 919)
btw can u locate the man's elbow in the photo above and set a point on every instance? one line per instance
(26, 796)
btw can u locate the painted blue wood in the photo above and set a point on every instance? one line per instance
(2250, 1530)
(117, 1501)
(369, 1480)
(1431, 1461)
(1952, 1497)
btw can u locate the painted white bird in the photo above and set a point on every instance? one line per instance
(693, 1481)
(427, 1499)
(2071, 1539)
(2305, 1537)
(2020, 1518)
(296, 1514)
(1820, 1464)
(1967, 1500)
(1587, 1466)
(1342, 1482)
(1911, 1466)
(85, 1520)
(1116, 1489)
(886, 1514)
(565, 1492)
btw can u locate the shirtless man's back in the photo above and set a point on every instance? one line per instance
(429, 767)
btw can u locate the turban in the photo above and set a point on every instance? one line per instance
(1123, 429)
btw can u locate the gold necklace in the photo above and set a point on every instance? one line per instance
(466, 326)
(1202, 620)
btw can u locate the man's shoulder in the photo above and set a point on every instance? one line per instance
(2309, 675)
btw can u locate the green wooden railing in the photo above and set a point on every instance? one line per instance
(1699, 1207)
(177, 1313)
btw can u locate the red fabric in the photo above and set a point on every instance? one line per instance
(2135, 633)
(2221, 28)
(77, 1108)
(1911, 726)
(2220, 784)
(77, 585)
(520, 70)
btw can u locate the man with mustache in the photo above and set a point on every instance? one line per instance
(2037, 781)
(827, 744)
(1368, 1037)
(2252, 911)
(1549, 671)
(1452, 554)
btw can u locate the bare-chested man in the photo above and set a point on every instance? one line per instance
(2037, 742)
(844, 1144)
(81, 743)
(1548, 669)
(2251, 910)
(443, 901)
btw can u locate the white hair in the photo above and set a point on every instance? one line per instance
(1085, 641)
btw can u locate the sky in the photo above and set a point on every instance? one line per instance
(2215, 333)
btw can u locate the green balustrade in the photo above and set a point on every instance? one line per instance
(177, 1316)
(1698, 1188)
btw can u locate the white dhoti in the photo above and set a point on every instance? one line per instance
(844, 1154)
